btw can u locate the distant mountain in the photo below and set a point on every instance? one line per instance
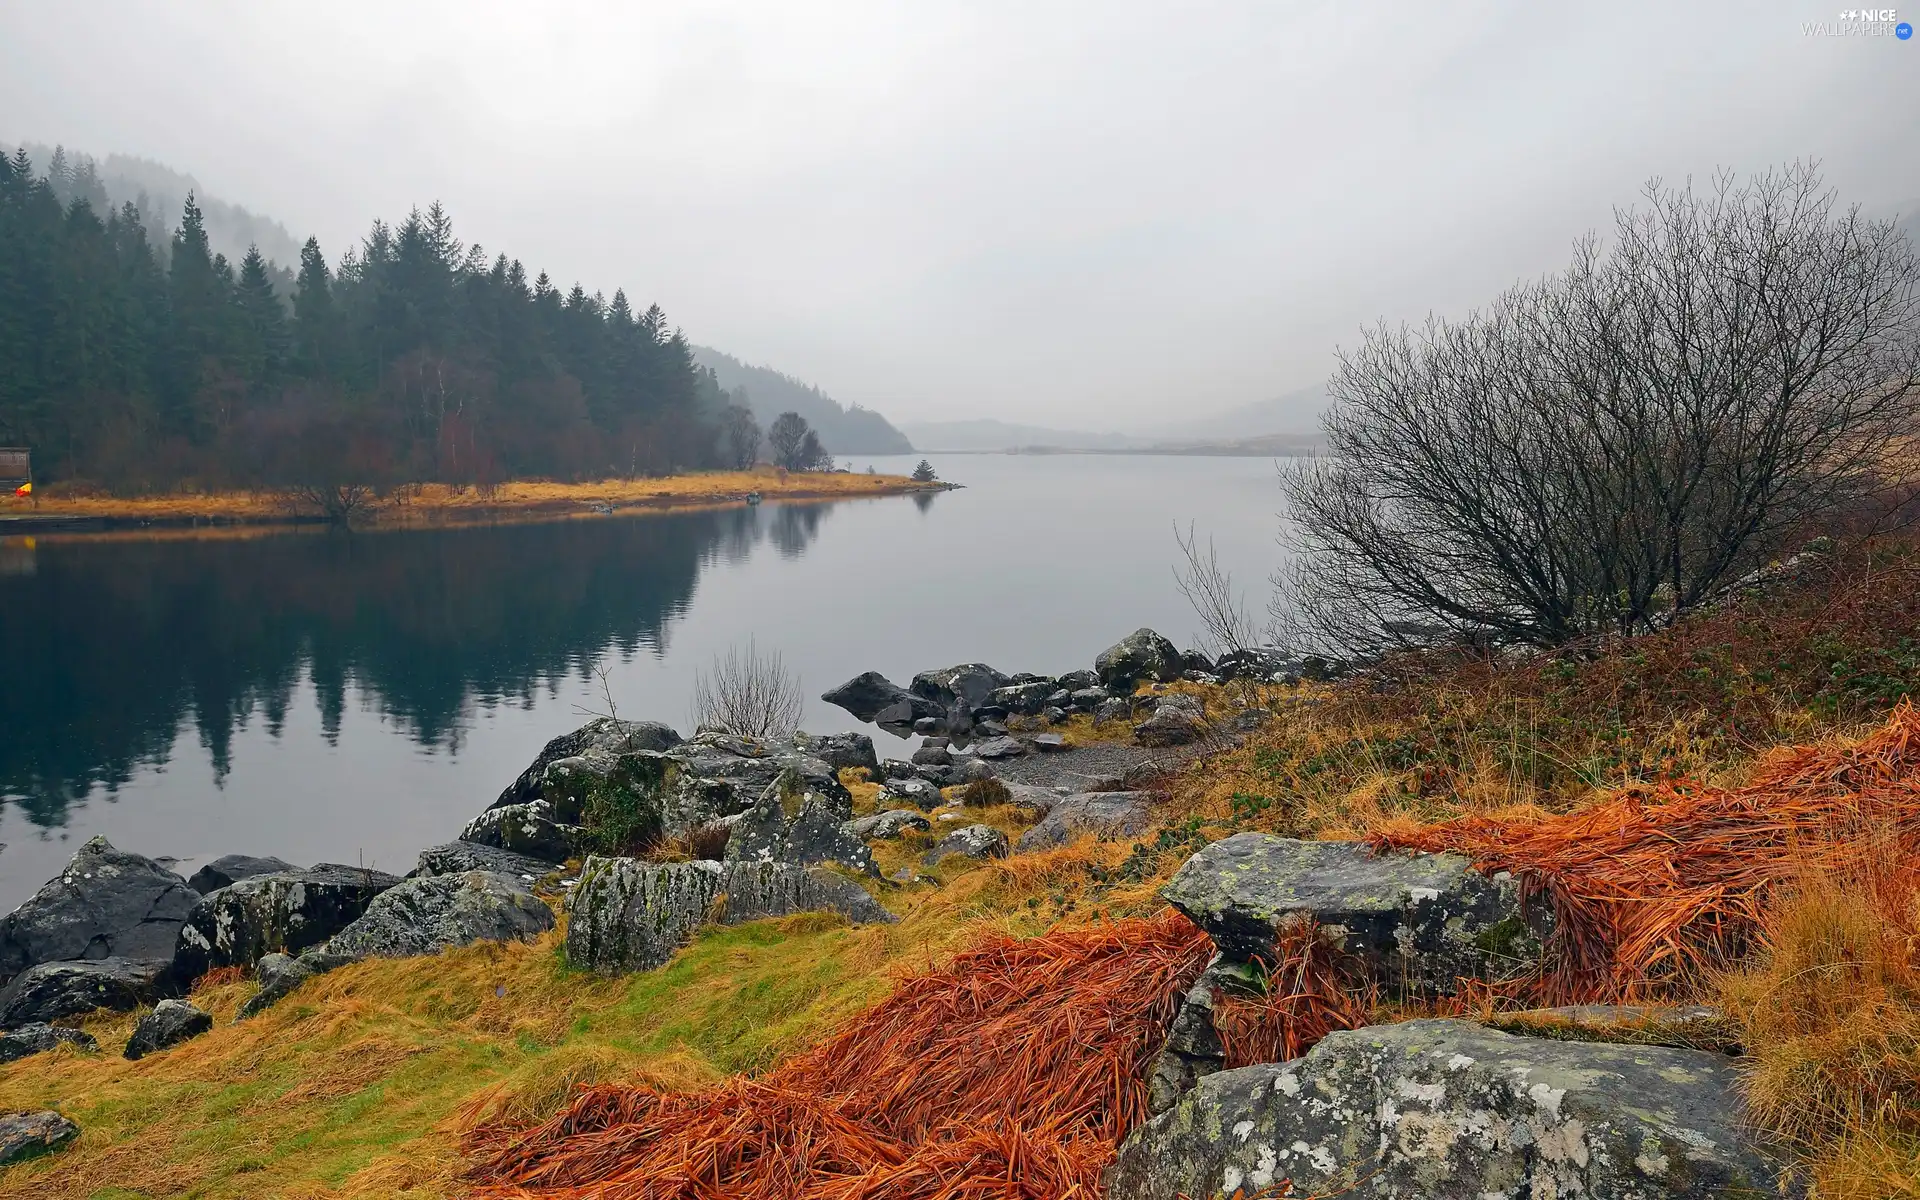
(989, 434)
(850, 430)
(1293, 413)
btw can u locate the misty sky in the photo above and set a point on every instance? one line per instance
(1091, 214)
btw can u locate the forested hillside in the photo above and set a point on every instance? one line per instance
(138, 363)
(850, 430)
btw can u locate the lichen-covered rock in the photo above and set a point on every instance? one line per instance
(813, 833)
(286, 911)
(889, 824)
(574, 786)
(958, 689)
(974, 841)
(1106, 815)
(170, 1023)
(603, 735)
(1033, 799)
(106, 903)
(870, 695)
(529, 829)
(629, 915)
(29, 1135)
(435, 913)
(1262, 663)
(841, 751)
(52, 990)
(934, 754)
(1115, 709)
(1177, 720)
(1026, 698)
(275, 975)
(921, 793)
(1420, 920)
(38, 1037)
(453, 858)
(232, 868)
(1447, 1110)
(1141, 656)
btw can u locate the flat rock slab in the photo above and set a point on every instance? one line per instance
(1448, 1110)
(170, 1023)
(1417, 920)
(106, 903)
(454, 858)
(629, 915)
(50, 991)
(232, 868)
(889, 824)
(39, 1037)
(30, 1135)
(1690, 1025)
(1000, 747)
(1105, 815)
(287, 911)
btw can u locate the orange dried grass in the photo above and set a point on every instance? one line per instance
(1011, 1072)
(1662, 884)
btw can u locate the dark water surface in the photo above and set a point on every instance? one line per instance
(324, 697)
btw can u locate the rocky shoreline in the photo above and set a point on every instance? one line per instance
(739, 828)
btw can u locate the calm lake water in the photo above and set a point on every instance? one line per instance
(353, 698)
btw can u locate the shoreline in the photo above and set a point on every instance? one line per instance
(419, 505)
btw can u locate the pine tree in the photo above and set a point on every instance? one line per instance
(262, 325)
(313, 312)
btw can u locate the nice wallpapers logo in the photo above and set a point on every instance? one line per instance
(1861, 22)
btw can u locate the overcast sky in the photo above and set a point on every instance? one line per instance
(1101, 214)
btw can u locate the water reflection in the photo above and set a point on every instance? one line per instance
(107, 647)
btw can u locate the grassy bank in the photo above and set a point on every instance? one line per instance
(434, 502)
(364, 1081)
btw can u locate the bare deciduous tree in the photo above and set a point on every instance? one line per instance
(1602, 448)
(748, 693)
(740, 435)
(1209, 588)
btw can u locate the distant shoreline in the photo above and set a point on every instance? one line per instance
(1302, 450)
(442, 504)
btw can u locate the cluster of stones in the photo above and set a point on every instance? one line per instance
(1432, 1108)
(973, 701)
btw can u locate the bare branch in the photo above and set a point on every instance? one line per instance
(748, 693)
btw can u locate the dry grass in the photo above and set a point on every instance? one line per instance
(1828, 1010)
(441, 502)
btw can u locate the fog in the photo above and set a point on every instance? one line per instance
(1104, 215)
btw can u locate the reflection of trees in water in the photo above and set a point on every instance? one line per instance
(923, 500)
(106, 647)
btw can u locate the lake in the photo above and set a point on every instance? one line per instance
(355, 697)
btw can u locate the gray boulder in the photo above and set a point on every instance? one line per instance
(896, 768)
(1447, 1110)
(106, 903)
(1052, 715)
(1193, 1049)
(602, 735)
(29, 1135)
(974, 841)
(1025, 698)
(1115, 709)
(1261, 663)
(232, 868)
(628, 915)
(935, 754)
(438, 912)
(921, 793)
(52, 990)
(1194, 662)
(841, 751)
(1106, 815)
(961, 688)
(530, 830)
(1176, 721)
(889, 824)
(969, 769)
(1420, 920)
(286, 911)
(38, 1037)
(870, 694)
(170, 1023)
(275, 975)
(1050, 743)
(1074, 681)
(1087, 699)
(1059, 697)
(453, 858)
(813, 834)
(1000, 747)
(1039, 801)
(1141, 656)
